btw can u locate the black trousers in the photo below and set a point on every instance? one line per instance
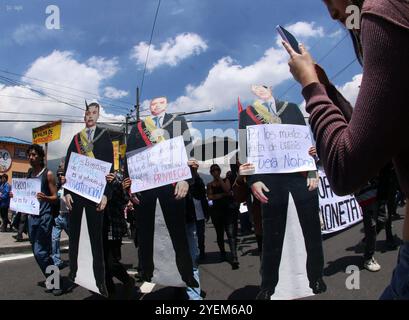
(223, 221)
(370, 215)
(174, 215)
(95, 225)
(274, 224)
(200, 231)
(4, 218)
(113, 266)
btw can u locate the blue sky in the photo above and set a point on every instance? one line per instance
(203, 45)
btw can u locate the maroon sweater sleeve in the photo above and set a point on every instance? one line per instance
(354, 152)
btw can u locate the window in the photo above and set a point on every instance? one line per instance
(20, 153)
(19, 175)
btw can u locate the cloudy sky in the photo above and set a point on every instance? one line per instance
(204, 54)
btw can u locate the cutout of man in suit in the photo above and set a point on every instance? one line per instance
(272, 190)
(96, 143)
(155, 129)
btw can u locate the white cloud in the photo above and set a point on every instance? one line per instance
(306, 30)
(26, 33)
(170, 52)
(350, 89)
(113, 93)
(59, 68)
(227, 79)
(105, 67)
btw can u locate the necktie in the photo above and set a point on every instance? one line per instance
(157, 121)
(89, 133)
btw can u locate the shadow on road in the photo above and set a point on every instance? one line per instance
(246, 293)
(340, 265)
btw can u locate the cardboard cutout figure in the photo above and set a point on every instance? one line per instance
(163, 246)
(276, 191)
(85, 242)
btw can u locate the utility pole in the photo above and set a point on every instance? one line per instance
(126, 128)
(137, 107)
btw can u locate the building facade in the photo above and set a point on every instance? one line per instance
(13, 158)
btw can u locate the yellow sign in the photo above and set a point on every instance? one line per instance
(115, 145)
(47, 133)
(122, 150)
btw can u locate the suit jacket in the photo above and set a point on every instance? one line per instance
(174, 125)
(291, 115)
(103, 150)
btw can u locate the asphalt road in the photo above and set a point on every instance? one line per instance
(19, 274)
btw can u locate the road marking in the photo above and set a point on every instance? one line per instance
(147, 287)
(15, 257)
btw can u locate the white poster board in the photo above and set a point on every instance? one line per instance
(279, 148)
(337, 212)
(25, 196)
(86, 176)
(160, 165)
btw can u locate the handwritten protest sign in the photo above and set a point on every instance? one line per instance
(337, 213)
(279, 148)
(164, 163)
(25, 196)
(86, 176)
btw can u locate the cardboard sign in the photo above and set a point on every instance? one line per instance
(25, 196)
(163, 164)
(47, 133)
(337, 212)
(279, 148)
(86, 176)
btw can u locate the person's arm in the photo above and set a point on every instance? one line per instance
(353, 153)
(53, 190)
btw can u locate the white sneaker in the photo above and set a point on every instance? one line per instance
(372, 265)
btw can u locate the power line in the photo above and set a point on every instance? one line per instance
(40, 114)
(29, 85)
(64, 86)
(149, 47)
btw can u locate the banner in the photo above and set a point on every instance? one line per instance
(337, 212)
(122, 150)
(279, 148)
(86, 176)
(47, 133)
(164, 163)
(25, 196)
(115, 145)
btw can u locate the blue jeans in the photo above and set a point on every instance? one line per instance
(193, 293)
(399, 287)
(39, 232)
(61, 223)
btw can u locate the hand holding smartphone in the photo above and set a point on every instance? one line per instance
(289, 38)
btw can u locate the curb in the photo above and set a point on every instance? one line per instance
(24, 248)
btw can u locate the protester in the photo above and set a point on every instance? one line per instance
(355, 148)
(4, 202)
(60, 222)
(40, 227)
(114, 228)
(197, 203)
(219, 191)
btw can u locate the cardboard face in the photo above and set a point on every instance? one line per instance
(91, 116)
(261, 92)
(158, 106)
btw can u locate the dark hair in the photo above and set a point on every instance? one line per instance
(214, 167)
(39, 150)
(5, 176)
(356, 36)
(93, 104)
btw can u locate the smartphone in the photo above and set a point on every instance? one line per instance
(289, 38)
